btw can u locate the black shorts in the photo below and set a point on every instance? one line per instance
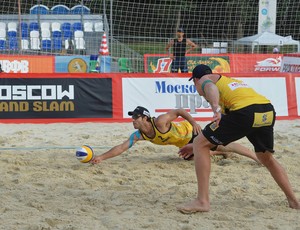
(192, 140)
(255, 122)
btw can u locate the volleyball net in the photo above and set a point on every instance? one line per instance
(136, 28)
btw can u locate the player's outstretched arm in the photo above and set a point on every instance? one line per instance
(119, 149)
(175, 113)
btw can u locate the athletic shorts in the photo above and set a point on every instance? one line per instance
(255, 122)
(192, 140)
(179, 63)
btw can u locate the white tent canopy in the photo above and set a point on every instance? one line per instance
(268, 39)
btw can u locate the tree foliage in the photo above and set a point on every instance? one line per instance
(221, 19)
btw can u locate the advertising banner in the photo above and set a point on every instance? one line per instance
(55, 98)
(160, 95)
(267, 16)
(72, 64)
(156, 63)
(290, 63)
(219, 63)
(297, 83)
(258, 63)
(44, 98)
(27, 64)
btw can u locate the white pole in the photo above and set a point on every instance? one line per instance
(20, 29)
(111, 26)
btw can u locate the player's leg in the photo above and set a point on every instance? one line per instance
(280, 176)
(235, 148)
(229, 129)
(175, 65)
(263, 142)
(201, 149)
(183, 65)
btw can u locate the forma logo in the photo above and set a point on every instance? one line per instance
(236, 85)
(163, 87)
(268, 65)
(15, 66)
(35, 92)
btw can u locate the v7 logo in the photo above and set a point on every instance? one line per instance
(163, 65)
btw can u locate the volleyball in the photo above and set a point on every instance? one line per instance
(85, 154)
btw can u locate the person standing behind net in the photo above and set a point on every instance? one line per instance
(179, 46)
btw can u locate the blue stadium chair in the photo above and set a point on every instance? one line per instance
(24, 26)
(46, 45)
(57, 41)
(67, 34)
(57, 44)
(80, 9)
(25, 34)
(60, 9)
(77, 26)
(12, 33)
(2, 44)
(66, 26)
(56, 34)
(34, 26)
(39, 9)
(13, 43)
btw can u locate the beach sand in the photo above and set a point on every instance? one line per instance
(44, 186)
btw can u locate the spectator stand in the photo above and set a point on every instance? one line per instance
(91, 27)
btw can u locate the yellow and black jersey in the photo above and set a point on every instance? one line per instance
(236, 94)
(179, 134)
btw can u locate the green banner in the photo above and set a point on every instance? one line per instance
(158, 64)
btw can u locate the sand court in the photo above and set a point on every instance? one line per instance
(44, 186)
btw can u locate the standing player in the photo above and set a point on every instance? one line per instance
(247, 114)
(179, 46)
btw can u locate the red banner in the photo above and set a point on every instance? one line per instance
(249, 63)
(219, 63)
(27, 64)
(155, 91)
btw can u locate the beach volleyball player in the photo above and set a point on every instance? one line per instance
(162, 130)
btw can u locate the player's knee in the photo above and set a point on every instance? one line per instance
(201, 140)
(266, 158)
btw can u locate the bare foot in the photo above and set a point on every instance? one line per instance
(227, 155)
(294, 204)
(194, 206)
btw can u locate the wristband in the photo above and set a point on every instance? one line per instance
(218, 110)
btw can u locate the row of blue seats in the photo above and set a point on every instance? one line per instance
(55, 44)
(59, 9)
(64, 27)
(55, 34)
(67, 30)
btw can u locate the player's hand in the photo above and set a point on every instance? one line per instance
(196, 128)
(172, 56)
(186, 151)
(217, 118)
(96, 160)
